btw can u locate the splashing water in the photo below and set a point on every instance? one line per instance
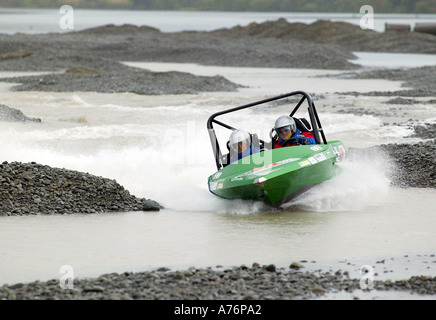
(169, 159)
(364, 181)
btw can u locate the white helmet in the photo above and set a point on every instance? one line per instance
(237, 136)
(284, 121)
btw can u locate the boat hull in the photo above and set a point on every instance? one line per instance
(276, 176)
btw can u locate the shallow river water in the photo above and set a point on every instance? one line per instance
(158, 147)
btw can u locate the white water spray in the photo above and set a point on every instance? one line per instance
(363, 182)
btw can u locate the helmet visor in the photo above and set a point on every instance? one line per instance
(240, 146)
(283, 130)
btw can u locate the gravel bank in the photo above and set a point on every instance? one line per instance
(30, 188)
(89, 60)
(415, 164)
(349, 37)
(13, 115)
(53, 52)
(418, 82)
(136, 81)
(101, 75)
(236, 283)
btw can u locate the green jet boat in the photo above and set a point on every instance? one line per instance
(275, 176)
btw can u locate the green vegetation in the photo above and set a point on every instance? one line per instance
(380, 6)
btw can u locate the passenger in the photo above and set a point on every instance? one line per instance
(289, 135)
(241, 145)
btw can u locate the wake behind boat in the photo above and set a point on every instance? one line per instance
(275, 175)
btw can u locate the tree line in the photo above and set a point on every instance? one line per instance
(331, 6)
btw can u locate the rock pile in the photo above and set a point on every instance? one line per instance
(416, 164)
(14, 115)
(426, 131)
(30, 188)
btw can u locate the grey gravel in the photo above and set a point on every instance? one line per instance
(349, 37)
(235, 283)
(31, 188)
(425, 131)
(415, 164)
(8, 114)
(89, 60)
(418, 81)
(124, 80)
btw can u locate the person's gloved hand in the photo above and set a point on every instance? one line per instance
(301, 139)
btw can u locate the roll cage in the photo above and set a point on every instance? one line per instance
(313, 115)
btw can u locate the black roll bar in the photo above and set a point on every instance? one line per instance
(314, 120)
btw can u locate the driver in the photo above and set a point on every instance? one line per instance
(241, 145)
(289, 134)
